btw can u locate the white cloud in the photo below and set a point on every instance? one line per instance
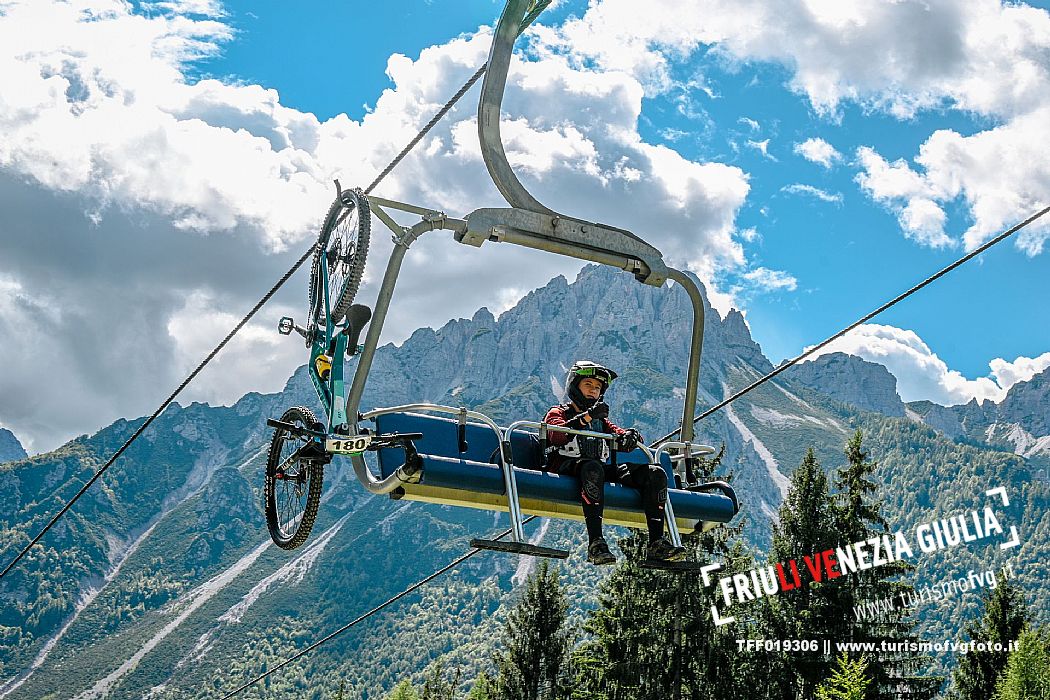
(1020, 370)
(771, 280)
(724, 301)
(762, 147)
(823, 195)
(921, 374)
(819, 151)
(95, 102)
(750, 123)
(247, 361)
(1003, 175)
(985, 57)
(161, 202)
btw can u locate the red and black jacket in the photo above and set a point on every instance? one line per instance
(569, 416)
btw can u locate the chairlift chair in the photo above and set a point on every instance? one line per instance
(448, 454)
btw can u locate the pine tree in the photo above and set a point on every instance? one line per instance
(858, 516)
(629, 651)
(1027, 673)
(652, 636)
(532, 665)
(403, 691)
(1005, 615)
(847, 682)
(811, 611)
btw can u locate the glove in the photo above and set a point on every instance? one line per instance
(628, 441)
(599, 410)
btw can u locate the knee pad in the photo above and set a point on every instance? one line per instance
(592, 480)
(656, 486)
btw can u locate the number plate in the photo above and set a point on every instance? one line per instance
(348, 446)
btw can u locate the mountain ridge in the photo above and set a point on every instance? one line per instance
(187, 593)
(10, 447)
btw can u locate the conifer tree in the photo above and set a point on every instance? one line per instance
(847, 682)
(805, 526)
(652, 636)
(403, 691)
(536, 642)
(857, 513)
(1005, 615)
(1027, 673)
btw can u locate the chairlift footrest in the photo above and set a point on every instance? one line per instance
(679, 566)
(531, 550)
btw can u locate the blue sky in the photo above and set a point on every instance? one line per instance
(820, 244)
(207, 134)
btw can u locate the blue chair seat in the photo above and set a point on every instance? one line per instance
(472, 478)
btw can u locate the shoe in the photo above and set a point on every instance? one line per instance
(663, 550)
(598, 553)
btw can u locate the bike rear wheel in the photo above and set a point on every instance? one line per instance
(293, 484)
(342, 247)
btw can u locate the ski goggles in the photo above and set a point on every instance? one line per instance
(600, 373)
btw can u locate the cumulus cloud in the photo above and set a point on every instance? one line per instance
(1020, 370)
(144, 211)
(1002, 174)
(985, 57)
(771, 280)
(922, 375)
(817, 150)
(810, 190)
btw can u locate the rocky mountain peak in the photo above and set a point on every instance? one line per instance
(10, 448)
(603, 315)
(1028, 403)
(483, 316)
(852, 380)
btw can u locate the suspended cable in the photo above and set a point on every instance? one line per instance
(167, 402)
(530, 16)
(430, 125)
(448, 567)
(758, 382)
(160, 409)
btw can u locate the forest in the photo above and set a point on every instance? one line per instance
(652, 634)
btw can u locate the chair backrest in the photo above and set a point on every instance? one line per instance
(441, 437)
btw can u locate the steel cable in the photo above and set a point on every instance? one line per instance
(167, 402)
(418, 584)
(430, 125)
(932, 278)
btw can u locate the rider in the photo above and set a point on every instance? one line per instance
(586, 458)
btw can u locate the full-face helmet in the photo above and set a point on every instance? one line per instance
(583, 369)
